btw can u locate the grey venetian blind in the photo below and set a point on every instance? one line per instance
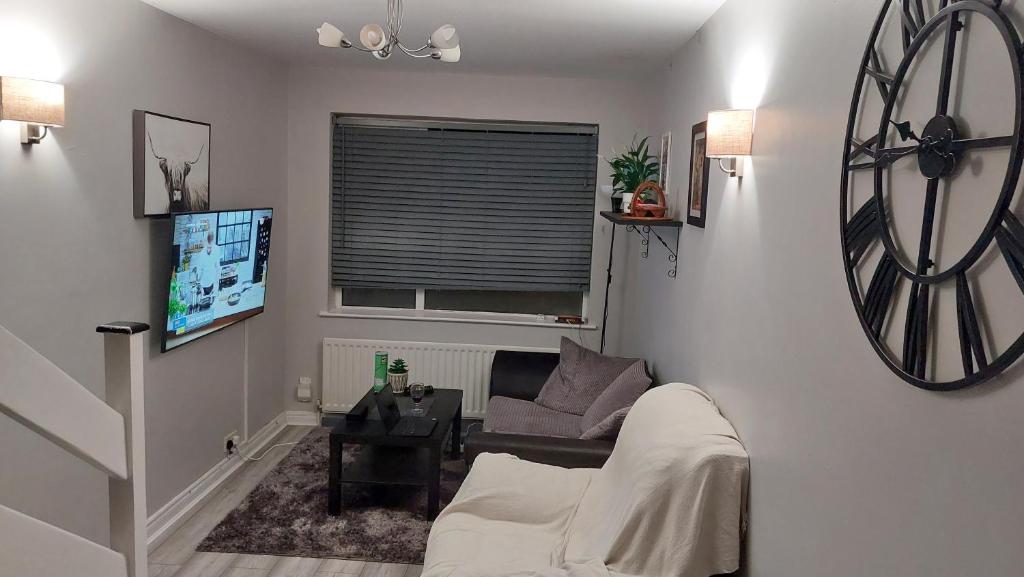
(447, 205)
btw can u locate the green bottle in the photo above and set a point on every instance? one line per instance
(380, 371)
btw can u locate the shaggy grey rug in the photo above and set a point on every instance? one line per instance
(286, 514)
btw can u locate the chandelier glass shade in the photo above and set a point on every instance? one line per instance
(383, 41)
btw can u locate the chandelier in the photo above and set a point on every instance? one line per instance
(382, 42)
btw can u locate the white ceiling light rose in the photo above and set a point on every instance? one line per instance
(383, 41)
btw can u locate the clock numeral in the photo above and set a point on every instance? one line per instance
(915, 338)
(919, 8)
(862, 148)
(912, 14)
(883, 80)
(880, 292)
(971, 345)
(862, 230)
(1010, 238)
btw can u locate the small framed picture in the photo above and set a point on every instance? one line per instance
(170, 164)
(664, 161)
(697, 205)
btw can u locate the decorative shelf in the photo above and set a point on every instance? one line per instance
(619, 218)
(646, 229)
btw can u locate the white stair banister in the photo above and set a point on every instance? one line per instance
(110, 436)
(123, 348)
(32, 548)
(39, 395)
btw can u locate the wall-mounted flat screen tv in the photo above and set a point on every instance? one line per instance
(219, 269)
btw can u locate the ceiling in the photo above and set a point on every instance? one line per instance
(603, 38)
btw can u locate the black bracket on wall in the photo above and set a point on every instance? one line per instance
(645, 233)
(646, 229)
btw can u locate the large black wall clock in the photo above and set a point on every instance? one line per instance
(896, 150)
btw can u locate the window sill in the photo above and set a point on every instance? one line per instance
(450, 317)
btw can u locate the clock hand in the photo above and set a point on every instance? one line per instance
(891, 155)
(885, 157)
(906, 133)
(986, 142)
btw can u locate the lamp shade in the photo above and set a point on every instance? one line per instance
(730, 133)
(445, 37)
(372, 37)
(450, 54)
(31, 101)
(329, 36)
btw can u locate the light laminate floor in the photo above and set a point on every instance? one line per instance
(177, 556)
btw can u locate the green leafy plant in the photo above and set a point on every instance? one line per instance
(633, 167)
(398, 367)
(174, 305)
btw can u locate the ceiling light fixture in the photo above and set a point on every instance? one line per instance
(382, 41)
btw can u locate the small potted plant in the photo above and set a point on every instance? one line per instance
(630, 169)
(398, 376)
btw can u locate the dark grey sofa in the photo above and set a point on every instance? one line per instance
(518, 426)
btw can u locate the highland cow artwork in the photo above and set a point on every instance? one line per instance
(171, 165)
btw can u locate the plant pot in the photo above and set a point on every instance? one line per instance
(398, 381)
(627, 199)
(616, 204)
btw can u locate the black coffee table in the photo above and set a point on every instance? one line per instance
(394, 460)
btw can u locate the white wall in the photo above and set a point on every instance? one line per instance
(854, 472)
(73, 256)
(620, 108)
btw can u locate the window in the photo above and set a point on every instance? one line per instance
(461, 215)
(233, 236)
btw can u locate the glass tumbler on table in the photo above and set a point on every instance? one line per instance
(417, 391)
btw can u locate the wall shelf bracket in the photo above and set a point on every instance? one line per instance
(646, 232)
(645, 238)
(673, 254)
(645, 229)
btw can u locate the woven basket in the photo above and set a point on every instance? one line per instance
(637, 209)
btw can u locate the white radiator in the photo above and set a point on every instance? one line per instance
(348, 369)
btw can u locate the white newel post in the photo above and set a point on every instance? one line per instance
(123, 350)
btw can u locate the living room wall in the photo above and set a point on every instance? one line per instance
(854, 472)
(618, 107)
(73, 256)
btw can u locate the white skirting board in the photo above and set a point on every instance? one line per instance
(302, 418)
(164, 522)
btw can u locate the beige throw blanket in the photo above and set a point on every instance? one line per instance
(668, 503)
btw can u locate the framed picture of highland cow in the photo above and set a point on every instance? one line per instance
(171, 164)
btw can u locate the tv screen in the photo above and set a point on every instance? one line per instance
(219, 267)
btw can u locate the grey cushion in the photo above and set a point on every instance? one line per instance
(623, 392)
(608, 429)
(505, 415)
(581, 376)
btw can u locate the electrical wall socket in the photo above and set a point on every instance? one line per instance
(233, 438)
(304, 392)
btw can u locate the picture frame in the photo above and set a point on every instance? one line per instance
(170, 164)
(665, 162)
(700, 172)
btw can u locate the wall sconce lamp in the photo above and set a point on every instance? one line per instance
(36, 104)
(731, 136)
